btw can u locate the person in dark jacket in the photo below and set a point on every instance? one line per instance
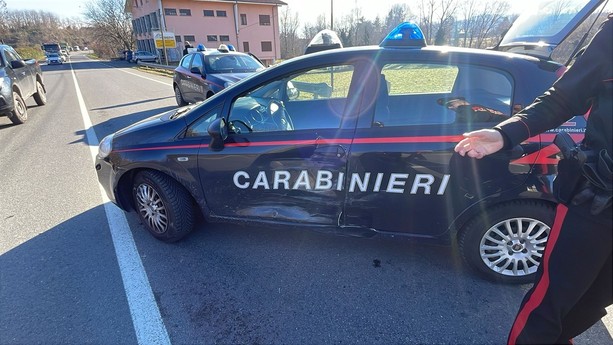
(574, 279)
(186, 49)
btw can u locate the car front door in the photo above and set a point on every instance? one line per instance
(285, 157)
(25, 78)
(197, 82)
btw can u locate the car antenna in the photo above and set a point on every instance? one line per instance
(582, 40)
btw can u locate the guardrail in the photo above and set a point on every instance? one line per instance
(155, 65)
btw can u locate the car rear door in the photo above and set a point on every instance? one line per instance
(286, 155)
(403, 175)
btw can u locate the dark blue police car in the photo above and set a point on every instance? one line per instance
(354, 141)
(205, 72)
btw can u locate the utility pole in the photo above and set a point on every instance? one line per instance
(331, 14)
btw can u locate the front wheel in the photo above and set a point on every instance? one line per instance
(19, 114)
(179, 97)
(507, 242)
(163, 206)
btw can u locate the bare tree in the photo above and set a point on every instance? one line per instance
(111, 25)
(397, 14)
(482, 22)
(290, 42)
(437, 19)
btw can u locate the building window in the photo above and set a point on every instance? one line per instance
(209, 13)
(222, 14)
(264, 19)
(211, 38)
(246, 47)
(266, 46)
(243, 19)
(177, 38)
(189, 38)
(170, 11)
(224, 38)
(185, 12)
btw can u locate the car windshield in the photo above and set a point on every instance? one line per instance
(544, 21)
(52, 55)
(231, 63)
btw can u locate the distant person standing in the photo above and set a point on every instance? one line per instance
(187, 46)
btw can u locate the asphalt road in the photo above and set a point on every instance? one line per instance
(69, 275)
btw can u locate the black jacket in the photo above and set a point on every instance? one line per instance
(586, 84)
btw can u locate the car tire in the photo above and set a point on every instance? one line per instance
(506, 243)
(163, 206)
(179, 97)
(40, 97)
(19, 114)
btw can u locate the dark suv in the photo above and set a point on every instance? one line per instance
(19, 80)
(360, 142)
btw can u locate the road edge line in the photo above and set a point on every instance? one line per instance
(146, 318)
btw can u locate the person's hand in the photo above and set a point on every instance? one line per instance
(481, 143)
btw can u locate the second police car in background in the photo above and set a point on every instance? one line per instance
(205, 72)
(355, 141)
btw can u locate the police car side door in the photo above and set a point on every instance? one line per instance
(286, 153)
(183, 78)
(199, 83)
(403, 176)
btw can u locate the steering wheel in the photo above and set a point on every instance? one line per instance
(238, 130)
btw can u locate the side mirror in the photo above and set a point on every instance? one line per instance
(218, 130)
(17, 64)
(196, 70)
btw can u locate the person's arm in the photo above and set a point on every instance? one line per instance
(569, 96)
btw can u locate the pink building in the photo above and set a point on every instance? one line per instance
(249, 25)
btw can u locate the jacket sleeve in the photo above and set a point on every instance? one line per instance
(570, 95)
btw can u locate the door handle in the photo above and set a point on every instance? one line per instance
(340, 151)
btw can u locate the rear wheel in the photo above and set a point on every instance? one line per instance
(179, 97)
(19, 114)
(163, 206)
(40, 96)
(507, 242)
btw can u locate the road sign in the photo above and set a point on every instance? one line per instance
(169, 40)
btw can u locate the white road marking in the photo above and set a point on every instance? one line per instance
(146, 318)
(135, 74)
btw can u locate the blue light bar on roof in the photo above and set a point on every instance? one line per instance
(406, 34)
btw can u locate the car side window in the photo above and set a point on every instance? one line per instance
(309, 100)
(199, 127)
(11, 55)
(425, 94)
(186, 61)
(197, 62)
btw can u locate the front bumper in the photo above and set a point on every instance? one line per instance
(107, 178)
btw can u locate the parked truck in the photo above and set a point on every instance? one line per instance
(19, 80)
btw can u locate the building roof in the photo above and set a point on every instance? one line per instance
(262, 2)
(267, 2)
(128, 3)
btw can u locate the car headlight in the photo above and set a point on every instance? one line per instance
(106, 146)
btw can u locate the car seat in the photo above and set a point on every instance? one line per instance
(382, 111)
